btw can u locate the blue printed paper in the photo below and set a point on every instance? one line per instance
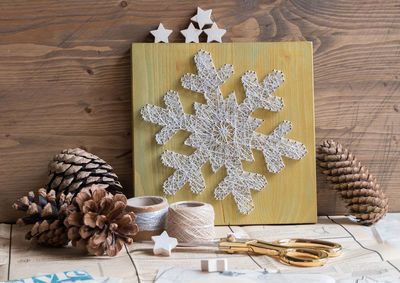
(62, 277)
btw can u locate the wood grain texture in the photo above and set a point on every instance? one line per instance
(290, 196)
(65, 78)
(29, 260)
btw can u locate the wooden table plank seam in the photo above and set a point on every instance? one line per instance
(9, 253)
(355, 239)
(258, 265)
(362, 246)
(133, 263)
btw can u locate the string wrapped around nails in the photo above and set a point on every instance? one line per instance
(223, 132)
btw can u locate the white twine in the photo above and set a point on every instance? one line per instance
(152, 221)
(191, 221)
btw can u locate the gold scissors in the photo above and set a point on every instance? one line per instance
(298, 252)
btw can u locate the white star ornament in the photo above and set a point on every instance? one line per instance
(161, 34)
(163, 244)
(214, 33)
(191, 34)
(203, 17)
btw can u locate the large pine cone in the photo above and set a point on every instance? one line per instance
(355, 185)
(75, 169)
(47, 214)
(97, 222)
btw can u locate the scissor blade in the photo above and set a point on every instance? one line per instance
(199, 244)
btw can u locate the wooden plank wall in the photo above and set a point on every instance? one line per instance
(65, 78)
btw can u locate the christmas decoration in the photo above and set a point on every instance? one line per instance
(75, 169)
(214, 33)
(203, 17)
(354, 184)
(163, 244)
(47, 214)
(223, 132)
(97, 222)
(161, 34)
(191, 34)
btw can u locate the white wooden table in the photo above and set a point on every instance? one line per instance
(362, 251)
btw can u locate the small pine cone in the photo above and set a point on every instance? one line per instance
(354, 184)
(75, 169)
(47, 214)
(97, 222)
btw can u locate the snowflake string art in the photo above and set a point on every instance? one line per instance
(223, 132)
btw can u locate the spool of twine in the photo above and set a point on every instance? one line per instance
(189, 221)
(151, 213)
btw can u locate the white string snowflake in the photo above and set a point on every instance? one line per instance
(223, 132)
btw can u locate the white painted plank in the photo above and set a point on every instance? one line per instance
(4, 250)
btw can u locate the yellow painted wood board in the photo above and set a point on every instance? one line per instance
(290, 196)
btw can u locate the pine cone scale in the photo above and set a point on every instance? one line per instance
(89, 219)
(72, 170)
(342, 171)
(75, 218)
(348, 178)
(106, 205)
(119, 206)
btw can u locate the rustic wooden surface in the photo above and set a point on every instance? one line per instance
(136, 263)
(290, 196)
(65, 78)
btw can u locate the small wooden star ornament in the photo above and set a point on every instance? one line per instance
(161, 34)
(191, 34)
(214, 33)
(203, 17)
(163, 244)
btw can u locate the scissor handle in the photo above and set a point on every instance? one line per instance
(331, 248)
(304, 257)
(299, 256)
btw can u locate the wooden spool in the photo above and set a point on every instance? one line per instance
(147, 204)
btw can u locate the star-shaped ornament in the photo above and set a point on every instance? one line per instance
(214, 33)
(191, 34)
(161, 34)
(163, 244)
(203, 17)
